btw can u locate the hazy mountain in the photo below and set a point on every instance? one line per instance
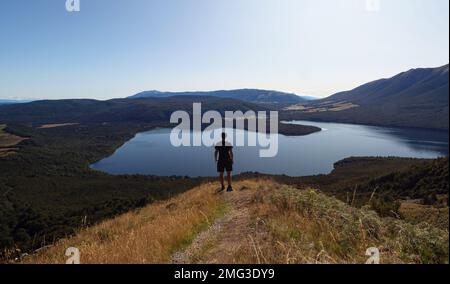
(309, 98)
(247, 95)
(8, 102)
(416, 98)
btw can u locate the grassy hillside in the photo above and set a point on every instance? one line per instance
(261, 222)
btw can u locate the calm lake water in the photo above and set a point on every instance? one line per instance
(152, 153)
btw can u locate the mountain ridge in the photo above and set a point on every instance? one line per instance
(115, 110)
(415, 98)
(409, 81)
(247, 95)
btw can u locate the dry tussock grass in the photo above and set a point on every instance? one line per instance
(416, 213)
(293, 226)
(149, 235)
(265, 222)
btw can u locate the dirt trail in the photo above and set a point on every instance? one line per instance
(222, 240)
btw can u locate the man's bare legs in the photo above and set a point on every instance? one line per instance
(230, 188)
(222, 182)
(229, 179)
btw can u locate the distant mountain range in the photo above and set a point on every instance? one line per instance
(155, 111)
(8, 102)
(416, 98)
(247, 95)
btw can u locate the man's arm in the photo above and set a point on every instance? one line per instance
(231, 154)
(216, 154)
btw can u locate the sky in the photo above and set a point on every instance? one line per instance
(116, 48)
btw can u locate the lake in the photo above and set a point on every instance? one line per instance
(151, 152)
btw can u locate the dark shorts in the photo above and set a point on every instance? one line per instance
(224, 165)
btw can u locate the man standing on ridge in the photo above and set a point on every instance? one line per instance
(224, 159)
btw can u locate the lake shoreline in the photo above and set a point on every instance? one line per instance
(298, 155)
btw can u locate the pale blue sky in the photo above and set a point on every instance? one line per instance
(115, 48)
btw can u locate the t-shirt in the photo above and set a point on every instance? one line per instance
(224, 150)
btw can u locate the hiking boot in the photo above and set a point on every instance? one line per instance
(221, 189)
(229, 189)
